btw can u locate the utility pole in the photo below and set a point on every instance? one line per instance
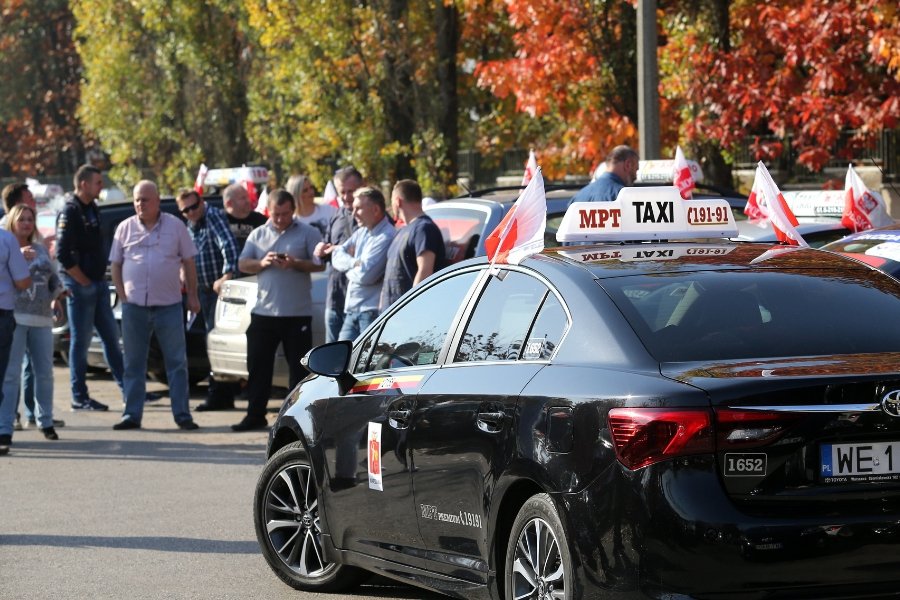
(648, 80)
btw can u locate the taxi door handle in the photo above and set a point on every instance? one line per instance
(399, 418)
(490, 421)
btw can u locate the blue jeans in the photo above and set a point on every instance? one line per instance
(139, 323)
(28, 385)
(88, 308)
(7, 329)
(334, 320)
(355, 322)
(39, 343)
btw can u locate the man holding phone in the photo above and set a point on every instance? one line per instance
(281, 254)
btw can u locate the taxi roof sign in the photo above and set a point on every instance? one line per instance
(222, 177)
(647, 213)
(815, 203)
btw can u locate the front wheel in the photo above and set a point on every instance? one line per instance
(538, 561)
(286, 515)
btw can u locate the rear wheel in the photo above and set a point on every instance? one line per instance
(286, 515)
(538, 562)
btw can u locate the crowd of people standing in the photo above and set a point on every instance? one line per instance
(161, 265)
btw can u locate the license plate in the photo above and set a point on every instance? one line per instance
(852, 463)
(231, 312)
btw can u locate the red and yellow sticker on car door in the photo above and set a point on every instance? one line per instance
(404, 383)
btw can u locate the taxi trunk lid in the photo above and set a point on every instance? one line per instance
(805, 436)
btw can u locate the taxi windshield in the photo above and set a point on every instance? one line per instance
(720, 315)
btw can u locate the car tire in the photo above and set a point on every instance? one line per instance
(286, 515)
(538, 561)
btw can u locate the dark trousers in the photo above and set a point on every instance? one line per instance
(220, 392)
(263, 337)
(7, 328)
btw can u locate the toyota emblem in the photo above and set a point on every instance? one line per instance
(890, 403)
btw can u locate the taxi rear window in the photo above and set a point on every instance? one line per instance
(716, 315)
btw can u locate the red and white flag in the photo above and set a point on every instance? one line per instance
(752, 209)
(771, 202)
(521, 232)
(530, 168)
(681, 175)
(201, 179)
(863, 208)
(330, 194)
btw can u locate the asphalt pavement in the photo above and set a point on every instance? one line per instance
(149, 513)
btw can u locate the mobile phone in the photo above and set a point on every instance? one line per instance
(281, 255)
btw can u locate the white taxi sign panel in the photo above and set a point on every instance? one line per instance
(661, 171)
(220, 177)
(645, 252)
(653, 213)
(815, 203)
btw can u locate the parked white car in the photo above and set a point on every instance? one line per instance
(227, 343)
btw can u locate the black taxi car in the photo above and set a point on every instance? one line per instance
(620, 420)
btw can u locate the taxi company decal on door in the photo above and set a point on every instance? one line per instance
(401, 382)
(374, 460)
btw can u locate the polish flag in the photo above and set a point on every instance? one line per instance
(681, 175)
(201, 178)
(330, 194)
(752, 209)
(246, 175)
(530, 168)
(779, 213)
(521, 232)
(863, 208)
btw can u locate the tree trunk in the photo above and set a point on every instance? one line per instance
(446, 20)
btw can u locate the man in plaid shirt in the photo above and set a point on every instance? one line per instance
(216, 261)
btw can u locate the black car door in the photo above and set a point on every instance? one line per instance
(369, 500)
(463, 431)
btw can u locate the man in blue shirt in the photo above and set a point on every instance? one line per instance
(363, 258)
(217, 258)
(418, 248)
(621, 171)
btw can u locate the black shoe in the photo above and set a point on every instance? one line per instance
(89, 404)
(49, 433)
(152, 397)
(126, 424)
(208, 406)
(5, 443)
(250, 424)
(188, 425)
(17, 426)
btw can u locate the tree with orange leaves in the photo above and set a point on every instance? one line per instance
(41, 75)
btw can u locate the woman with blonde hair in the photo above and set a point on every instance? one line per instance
(34, 325)
(307, 210)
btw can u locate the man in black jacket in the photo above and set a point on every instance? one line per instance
(81, 253)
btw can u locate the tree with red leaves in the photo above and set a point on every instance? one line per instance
(811, 69)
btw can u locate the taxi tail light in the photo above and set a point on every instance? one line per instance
(741, 428)
(643, 436)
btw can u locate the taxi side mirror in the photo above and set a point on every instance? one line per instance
(331, 360)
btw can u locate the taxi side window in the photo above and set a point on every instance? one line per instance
(415, 334)
(500, 324)
(548, 329)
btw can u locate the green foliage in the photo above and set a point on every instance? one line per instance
(165, 85)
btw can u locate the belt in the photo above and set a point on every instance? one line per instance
(5, 311)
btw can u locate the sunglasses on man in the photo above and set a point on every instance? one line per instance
(189, 209)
